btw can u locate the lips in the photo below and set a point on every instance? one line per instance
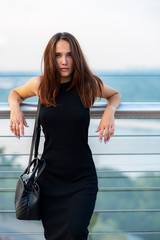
(64, 69)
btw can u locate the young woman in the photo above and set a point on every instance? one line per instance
(67, 89)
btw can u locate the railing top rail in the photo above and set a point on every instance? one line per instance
(127, 110)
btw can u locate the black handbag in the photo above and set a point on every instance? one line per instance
(27, 195)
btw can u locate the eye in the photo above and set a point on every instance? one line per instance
(57, 54)
(69, 54)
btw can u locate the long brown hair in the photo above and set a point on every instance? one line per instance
(88, 85)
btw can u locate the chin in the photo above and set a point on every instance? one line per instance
(65, 75)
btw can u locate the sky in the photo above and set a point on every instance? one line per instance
(113, 34)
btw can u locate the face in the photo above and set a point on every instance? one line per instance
(64, 60)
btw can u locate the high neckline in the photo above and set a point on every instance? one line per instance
(65, 85)
(66, 82)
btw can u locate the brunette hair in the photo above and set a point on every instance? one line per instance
(88, 85)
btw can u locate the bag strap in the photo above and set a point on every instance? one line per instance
(37, 166)
(35, 137)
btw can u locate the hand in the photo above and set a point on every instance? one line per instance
(17, 122)
(107, 124)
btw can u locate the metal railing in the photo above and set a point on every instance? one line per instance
(125, 111)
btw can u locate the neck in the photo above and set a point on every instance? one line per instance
(64, 80)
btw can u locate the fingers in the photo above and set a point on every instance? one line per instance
(18, 128)
(11, 126)
(101, 135)
(22, 129)
(98, 128)
(112, 132)
(15, 129)
(106, 136)
(108, 132)
(17, 122)
(25, 123)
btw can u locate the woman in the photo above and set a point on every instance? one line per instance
(67, 89)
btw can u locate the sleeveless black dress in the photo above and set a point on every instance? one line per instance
(69, 182)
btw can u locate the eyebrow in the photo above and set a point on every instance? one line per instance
(66, 53)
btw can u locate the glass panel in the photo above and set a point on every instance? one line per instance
(126, 170)
(128, 163)
(128, 200)
(125, 222)
(122, 236)
(117, 145)
(9, 224)
(130, 126)
(100, 222)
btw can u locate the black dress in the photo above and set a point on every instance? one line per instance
(69, 183)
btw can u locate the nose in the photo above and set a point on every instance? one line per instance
(64, 60)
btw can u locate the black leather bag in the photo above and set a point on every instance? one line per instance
(27, 195)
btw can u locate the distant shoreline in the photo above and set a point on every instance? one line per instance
(134, 72)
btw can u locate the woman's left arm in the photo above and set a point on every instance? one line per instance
(107, 123)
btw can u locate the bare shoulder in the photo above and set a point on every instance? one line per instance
(34, 84)
(99, 85)
(35, 81)
(30, 88)
(108, 91)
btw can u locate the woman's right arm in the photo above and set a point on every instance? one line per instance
(15, 98)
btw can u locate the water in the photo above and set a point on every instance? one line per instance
(133, 86)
